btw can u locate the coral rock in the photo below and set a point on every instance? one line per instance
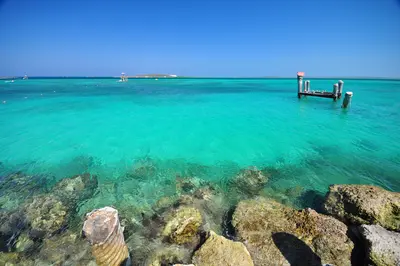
(182, 225)
(364, 204)
(383, 247)
(278, 235)
(217, 250)
(46, 215)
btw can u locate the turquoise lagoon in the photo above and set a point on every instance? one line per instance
(207, 128)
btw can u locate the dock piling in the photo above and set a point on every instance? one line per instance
(347, 99)
(307, 86)
(340, 82)
(335, 91)
(300, 76)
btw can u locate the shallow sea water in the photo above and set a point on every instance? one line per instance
(204, 128)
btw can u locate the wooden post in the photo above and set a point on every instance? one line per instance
(340, 88)
(335, 91)
(300, 76)
(307, 86)
(347, 99)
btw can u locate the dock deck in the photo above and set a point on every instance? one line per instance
(323, 94)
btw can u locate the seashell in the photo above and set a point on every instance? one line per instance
(104, 232)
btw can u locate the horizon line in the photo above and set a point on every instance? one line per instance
(205, 77)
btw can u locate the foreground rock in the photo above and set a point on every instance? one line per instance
(217, 250)
(46, 215)
(182, 225)
(383, 247)
(278, 235)
(364, 204)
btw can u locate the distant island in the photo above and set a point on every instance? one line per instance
(153, 76)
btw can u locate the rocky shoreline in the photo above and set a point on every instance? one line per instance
(203, 224)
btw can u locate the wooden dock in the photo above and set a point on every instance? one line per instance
(335, 94)
(323, 94)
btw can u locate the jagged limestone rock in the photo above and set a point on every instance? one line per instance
(364, 204)
(217, 250)
(278, 235)
(383, 246)
(46, 214)
(182, 225)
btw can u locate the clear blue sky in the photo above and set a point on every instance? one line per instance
(201, 38)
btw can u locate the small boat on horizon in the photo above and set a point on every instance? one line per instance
(25, 77)
(124, 78)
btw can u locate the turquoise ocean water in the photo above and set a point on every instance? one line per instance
(208, 128)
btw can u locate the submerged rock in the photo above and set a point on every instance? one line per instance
(205, 193)
(22, 183)
(24, 243)
(143, 168)
(65, 249)
(168, 255)
(364, 204)
(217, 250)
(182, 225)
(278, 235)
(250, 180)
(14, 259)
(164, 203)
(11, 222)
(211, 204)
(17, 187)
(46, 214)
(383, 246)
(9, 258)
(71, 190)
(187, 185)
